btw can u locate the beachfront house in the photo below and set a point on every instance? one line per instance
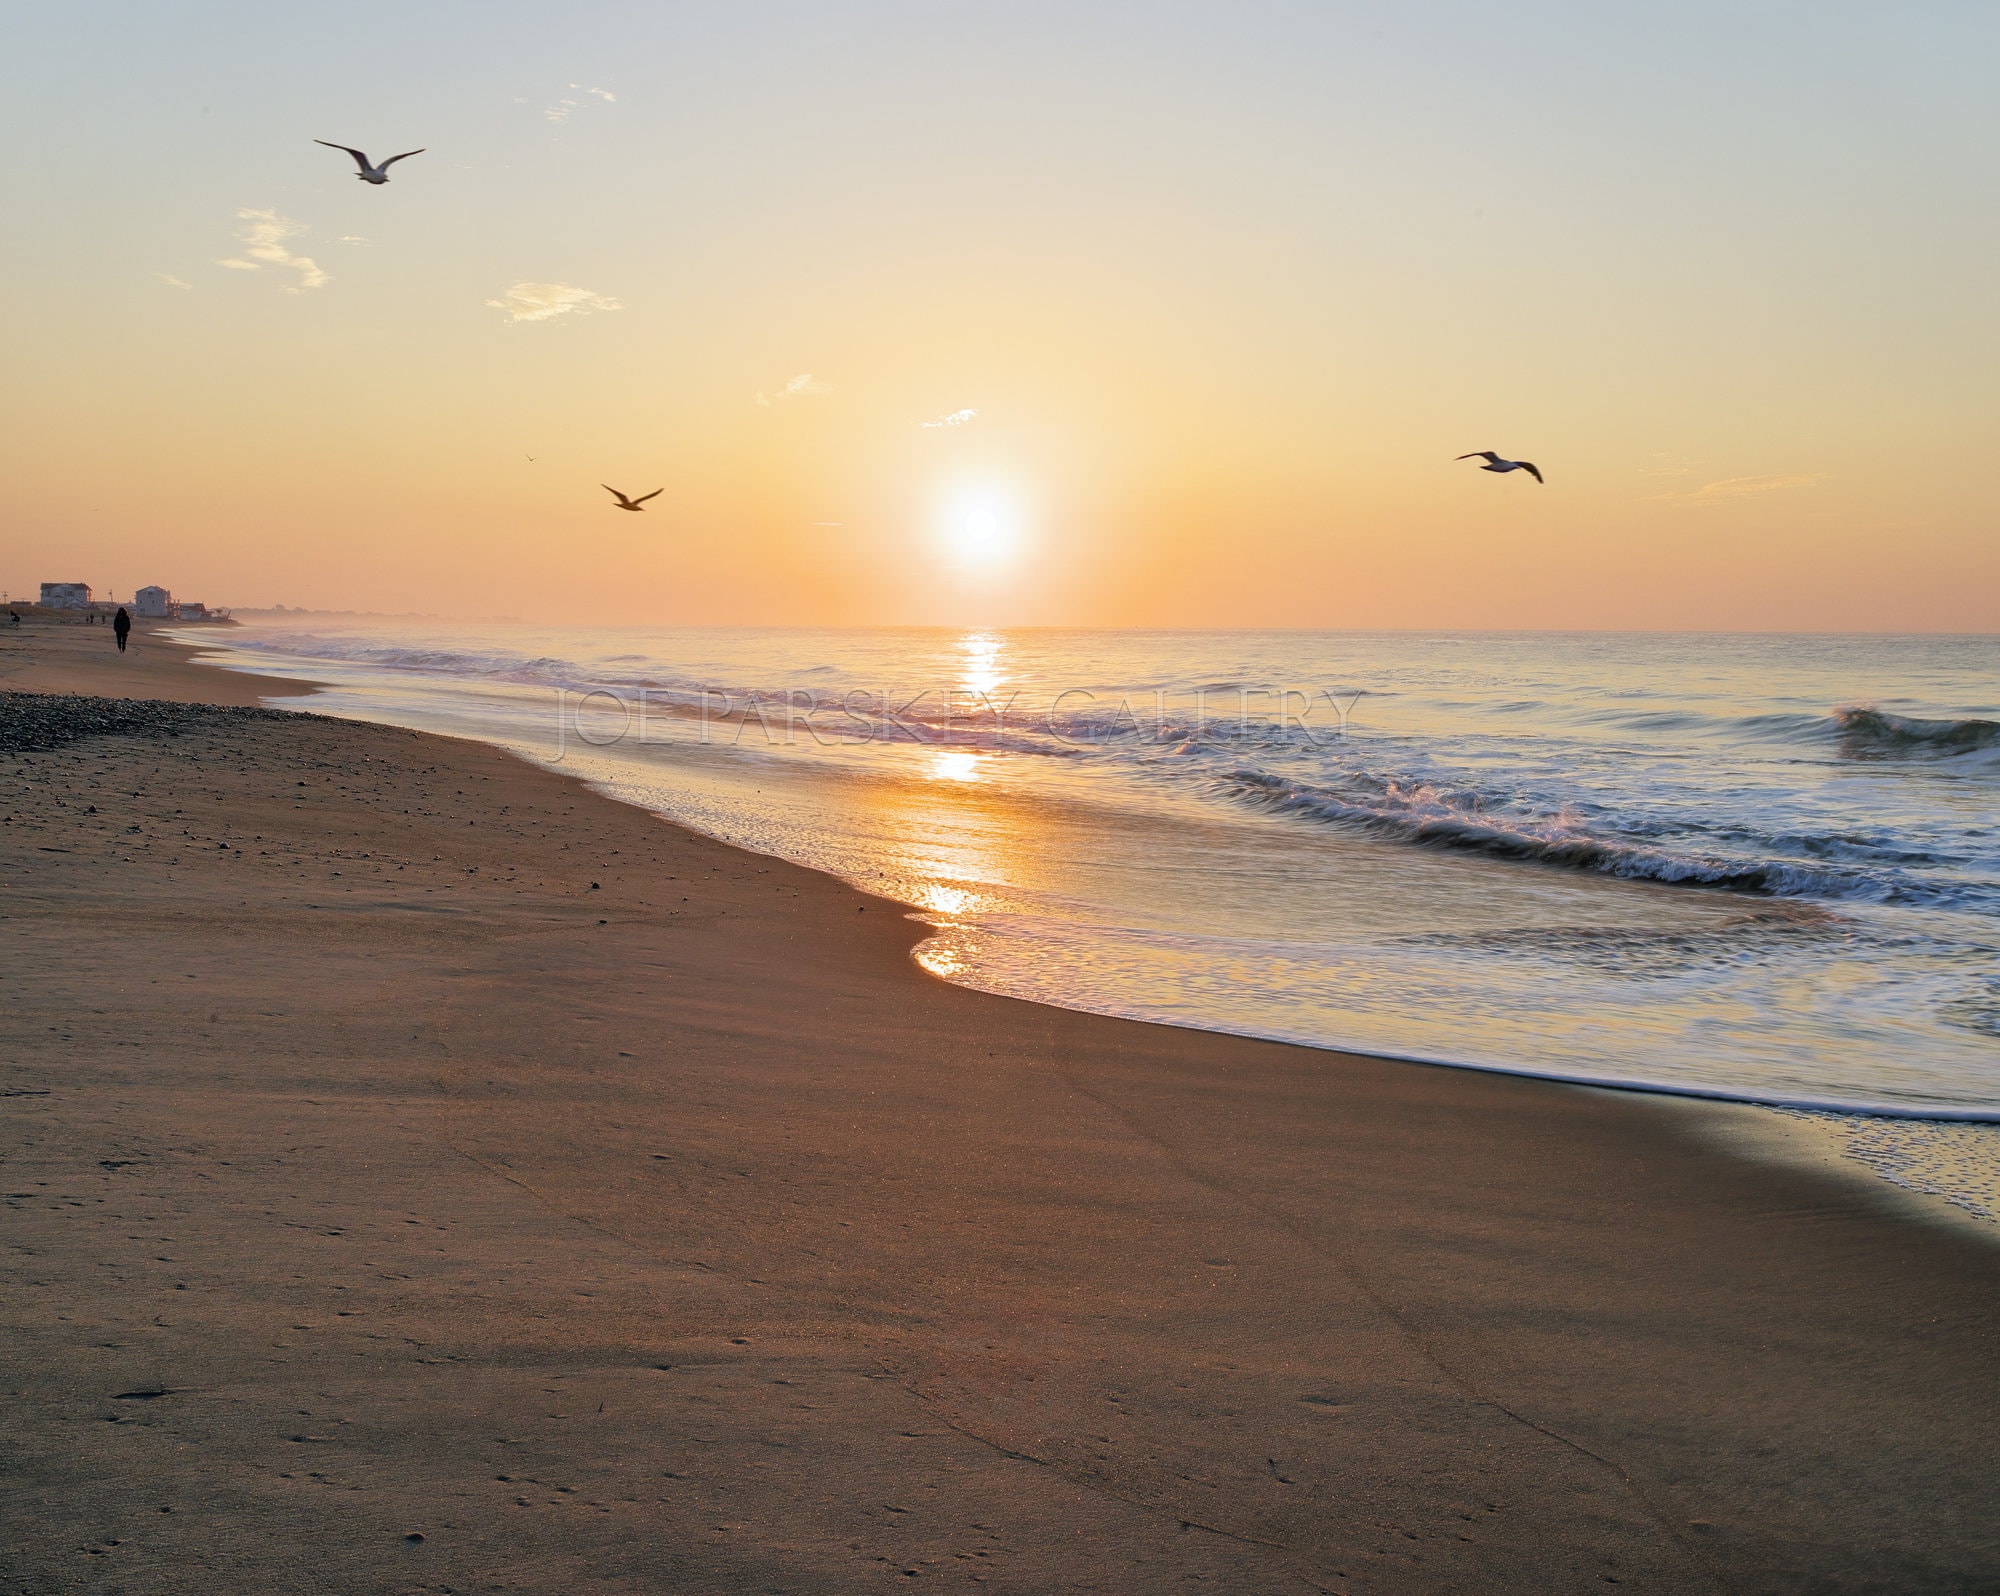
(191, 612)
(65, 595)
(153, 604)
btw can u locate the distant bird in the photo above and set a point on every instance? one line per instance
(370, 172)
(1495, 463)
(630, 504)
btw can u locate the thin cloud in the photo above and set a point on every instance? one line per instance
(1670, 467)
(172, 282)
(350, 238)
(1737, 487)
(562, 110)
(957, 418)
(803, 386)
(544, 301)
(264, 245)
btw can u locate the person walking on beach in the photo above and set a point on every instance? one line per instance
(121, 623)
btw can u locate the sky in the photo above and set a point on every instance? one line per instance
(1079, 313)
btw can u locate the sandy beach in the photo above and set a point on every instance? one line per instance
(424, 1174)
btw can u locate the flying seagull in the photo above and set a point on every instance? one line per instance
(630, 504)
(370, 173)
(1495, 463)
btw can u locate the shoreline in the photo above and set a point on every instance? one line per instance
(1793, 1131)
(61, 657)
(562, 1224)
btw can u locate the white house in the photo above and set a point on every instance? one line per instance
(153, 604)
(191, 612)
(65, 595)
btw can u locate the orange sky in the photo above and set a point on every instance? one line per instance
(1226, 288)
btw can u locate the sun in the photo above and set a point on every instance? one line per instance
(981, 529)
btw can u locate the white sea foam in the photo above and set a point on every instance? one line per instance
(1956, 1163)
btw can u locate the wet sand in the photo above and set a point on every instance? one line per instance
(424, 1174)
(41, 656)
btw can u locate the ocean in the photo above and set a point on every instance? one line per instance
(1763, 868)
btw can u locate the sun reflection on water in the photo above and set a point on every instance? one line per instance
(941, 899)
(954, 766)
(980, 672)
(948, 952)
(941, 959)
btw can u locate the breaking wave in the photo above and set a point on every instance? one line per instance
(1427, 815)
(1866, 732)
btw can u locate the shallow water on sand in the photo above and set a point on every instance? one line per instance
(1755, 867)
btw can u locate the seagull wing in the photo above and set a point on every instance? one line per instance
(1528, 467)
(360, 160)
(392, 160)
(645, 496)
(608, 488)
(1480, 454)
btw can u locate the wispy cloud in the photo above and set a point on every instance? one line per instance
(804, 386)
(1666, 465)
(543, 301)
(264, 245)
(562, 110)
(172, 282)
(350, 238)
(1737, 487)
(957, 418)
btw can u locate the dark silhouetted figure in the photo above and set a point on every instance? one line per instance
(121, 623)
